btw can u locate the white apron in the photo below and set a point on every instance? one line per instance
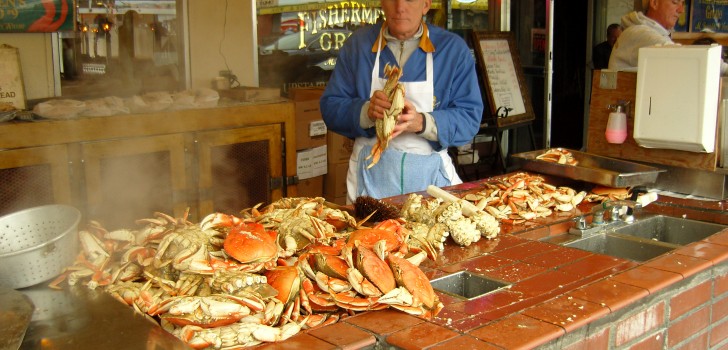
(429, 167)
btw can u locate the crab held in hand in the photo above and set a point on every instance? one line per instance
(395, 94)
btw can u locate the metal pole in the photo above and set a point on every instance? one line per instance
(494, 15)
(448, 11)
(549, 71)
(505, 16)
(588, 71)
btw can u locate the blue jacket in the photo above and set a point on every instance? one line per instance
(458, 105)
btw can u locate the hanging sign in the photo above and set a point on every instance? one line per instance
(36, 16)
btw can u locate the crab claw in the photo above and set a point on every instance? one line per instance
(219, 220)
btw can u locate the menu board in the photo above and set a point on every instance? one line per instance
(502, 76)
(505, 84)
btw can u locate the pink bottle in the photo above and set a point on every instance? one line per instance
(616, 125)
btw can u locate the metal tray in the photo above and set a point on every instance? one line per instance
(591, 168)
(16, 311)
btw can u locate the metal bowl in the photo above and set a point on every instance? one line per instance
(36, 244)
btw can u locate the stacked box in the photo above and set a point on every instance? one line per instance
(311, 148)
(338, 148)
(310, 127)
(339, 151)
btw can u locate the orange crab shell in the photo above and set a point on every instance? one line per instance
(286, 280)
(375, 269)
(367, 237)
(414, 280)
(331, 265)
(251, 243)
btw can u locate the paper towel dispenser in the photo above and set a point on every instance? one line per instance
(677, 95)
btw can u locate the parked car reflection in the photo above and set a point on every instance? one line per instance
(300, 57)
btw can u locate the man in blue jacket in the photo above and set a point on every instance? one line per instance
(443, 105)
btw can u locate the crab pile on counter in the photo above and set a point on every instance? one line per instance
(514, 199)
(235, 281)
(558, 155)
(434, 220)
(262, 276)
(522, 196)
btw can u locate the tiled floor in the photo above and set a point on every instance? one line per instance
(551, 290)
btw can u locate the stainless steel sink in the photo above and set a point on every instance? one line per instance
(670, 229)
(466, 285)
(625, 247)
(647, 237)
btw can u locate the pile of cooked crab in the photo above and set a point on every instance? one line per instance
(269, 272)
(261, 276)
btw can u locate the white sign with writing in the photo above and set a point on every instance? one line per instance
(311, 162)
(11, 78)
(502, 76)
(317, 128)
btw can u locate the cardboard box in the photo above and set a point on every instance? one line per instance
(311, 162)
(312, 187)
(335, 180)
(251, 94)
(340, 147)
(306, 93)
(310, 128)
(337, 200)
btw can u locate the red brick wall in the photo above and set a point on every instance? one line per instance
(692, 314)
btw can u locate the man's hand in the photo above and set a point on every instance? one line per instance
(409, 121)
(378, 103)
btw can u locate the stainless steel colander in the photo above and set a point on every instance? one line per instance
(36, 244)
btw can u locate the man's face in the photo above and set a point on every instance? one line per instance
(614, 35)
(666, 12)
(404, 16)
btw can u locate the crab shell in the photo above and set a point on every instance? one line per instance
(375, 269)
(331, 265)
(414, 280)
(610, 191)
(367, 237)
(286, 280)
(208, 312)
(250, 243)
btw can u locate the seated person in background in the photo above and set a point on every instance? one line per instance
(601, 53)
(706, 40)
(653, 27)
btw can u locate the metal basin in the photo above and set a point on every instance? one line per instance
(647, 237)
(670, 229)
(625, 247)
(466, 285)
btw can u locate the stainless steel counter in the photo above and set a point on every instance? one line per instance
(79, 318)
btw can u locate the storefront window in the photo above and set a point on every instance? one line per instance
(298, 44)
(121, 48)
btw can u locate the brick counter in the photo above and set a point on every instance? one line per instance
(561, 297)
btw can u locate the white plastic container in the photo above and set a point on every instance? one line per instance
(676, 103)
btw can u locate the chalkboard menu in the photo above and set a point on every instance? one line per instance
(506, 90)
